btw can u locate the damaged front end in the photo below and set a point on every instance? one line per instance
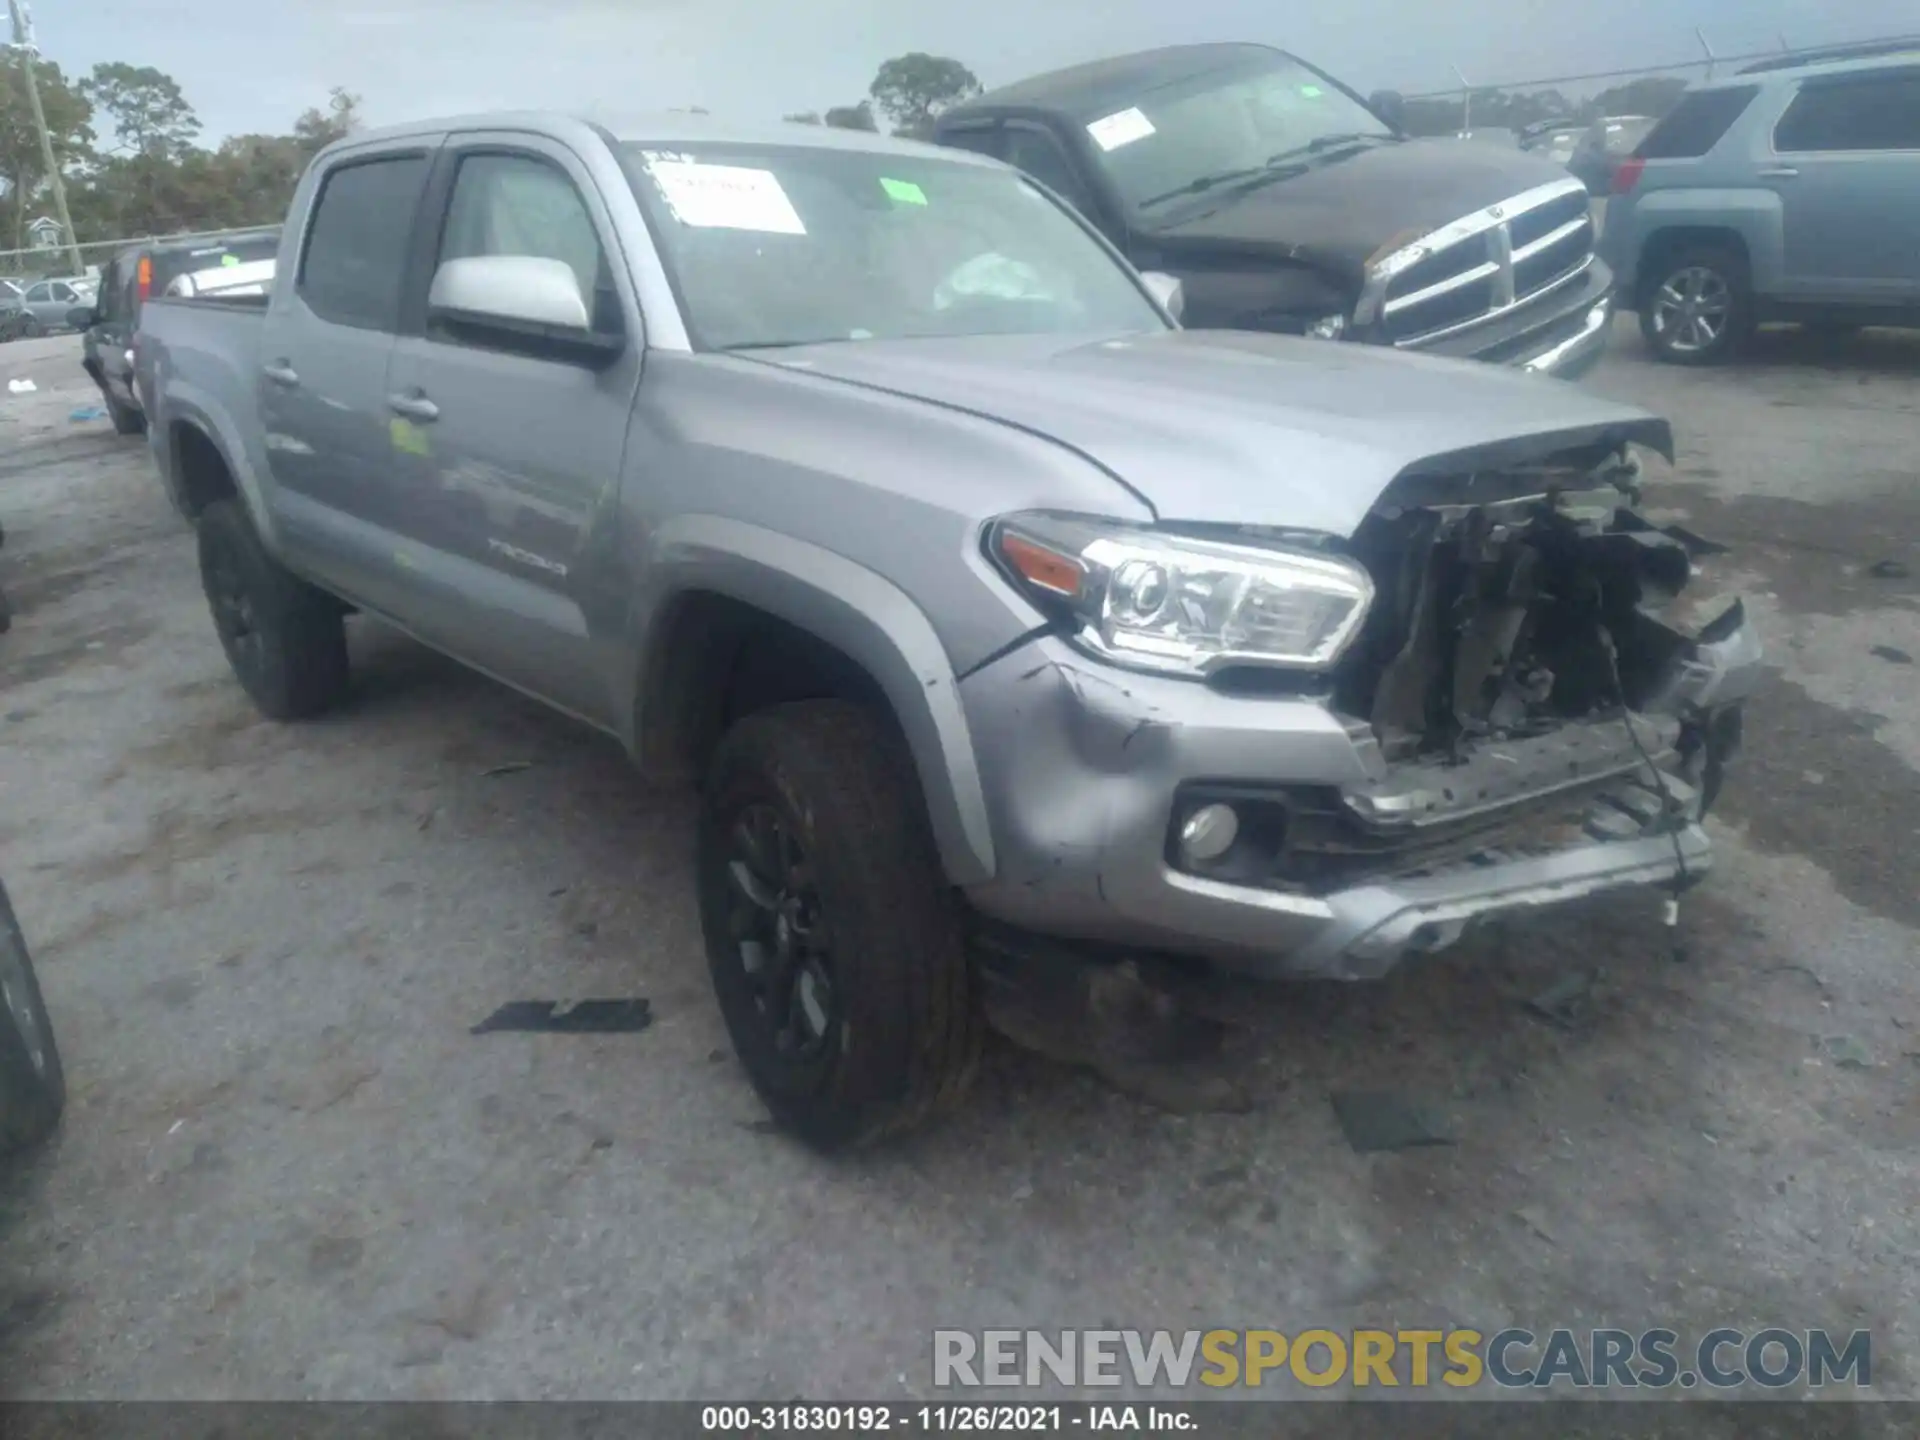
(1530, 681)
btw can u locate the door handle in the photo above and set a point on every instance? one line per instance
(1780, 172)
(281, 373)
(414, 407)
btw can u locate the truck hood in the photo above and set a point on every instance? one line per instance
(1237, 428)
(1340, 214)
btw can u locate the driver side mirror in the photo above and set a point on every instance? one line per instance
(526, 303)
(1168, 290)
(1390, 106)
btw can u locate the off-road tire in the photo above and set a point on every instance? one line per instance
(32, 1095)
(126, 419)
(905, 1037)
(1730, 266)
(288, 649)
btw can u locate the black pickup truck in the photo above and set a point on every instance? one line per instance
(1283, 202)
(136, 274)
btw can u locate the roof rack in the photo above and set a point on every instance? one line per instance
(1865, 50)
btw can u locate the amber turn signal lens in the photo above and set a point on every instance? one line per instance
(1038, 565)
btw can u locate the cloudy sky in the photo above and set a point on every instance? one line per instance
(254, 64)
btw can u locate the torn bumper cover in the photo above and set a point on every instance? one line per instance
(1343, 863)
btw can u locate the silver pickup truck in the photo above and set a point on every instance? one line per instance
(865, 485)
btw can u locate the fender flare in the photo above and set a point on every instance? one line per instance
(189, 407)
(862, 614)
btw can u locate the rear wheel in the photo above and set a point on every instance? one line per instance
(286, 641)
(833, 938)
(33, 1088)
(1699, 306)
(31, 328)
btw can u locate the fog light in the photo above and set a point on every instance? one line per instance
(1209, 833)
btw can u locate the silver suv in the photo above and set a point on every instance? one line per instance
(1790, 191)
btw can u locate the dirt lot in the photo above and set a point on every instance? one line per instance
(289, 1170)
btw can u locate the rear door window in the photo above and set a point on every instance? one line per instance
(1698, 123)
(356, 252)
(1853, 113)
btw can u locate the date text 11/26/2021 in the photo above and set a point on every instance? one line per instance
(942, 1419)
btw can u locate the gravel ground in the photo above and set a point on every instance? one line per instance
(288, 1170)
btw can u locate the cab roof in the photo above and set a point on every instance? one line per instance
(1100, 86)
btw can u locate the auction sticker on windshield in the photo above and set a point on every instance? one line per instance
(903, 191)
(1121, 128)
(725, 197)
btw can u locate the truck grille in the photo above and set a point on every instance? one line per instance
(1482, 266)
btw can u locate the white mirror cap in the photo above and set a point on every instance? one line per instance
(529, 288)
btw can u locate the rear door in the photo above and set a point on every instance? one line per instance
(1847, 169)
(517, 450)
(324, 349)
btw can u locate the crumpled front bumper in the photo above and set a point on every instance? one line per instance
(1088, 770)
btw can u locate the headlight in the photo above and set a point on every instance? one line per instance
(1185, 606)
(1331, 327)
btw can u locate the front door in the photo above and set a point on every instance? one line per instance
(519, 454)
(323, 356)
(1847, 170)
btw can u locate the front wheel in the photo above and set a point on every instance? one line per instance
(1699, 307)
(286, 641)
(33, 1087)
(835, 943)
(31, 328)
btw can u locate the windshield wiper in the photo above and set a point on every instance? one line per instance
(1203, 184)
(1279, 166)
(1325, 143)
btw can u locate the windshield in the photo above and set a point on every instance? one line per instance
(792, 245)
(1222, 124)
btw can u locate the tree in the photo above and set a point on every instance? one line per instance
(1652, 95)
(149, 114)
(316, 128)
(911, 90)
(69, 115)
(852, 117)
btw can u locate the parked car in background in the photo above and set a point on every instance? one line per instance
(48, 305)
(1491, 135)
(14, 318)
(205, 264)
(864, 480)
(1556, 140)
(1284, 203)
(1788, 192)
(1603, 146)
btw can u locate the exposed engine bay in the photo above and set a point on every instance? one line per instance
(1529, 674)
(1512, 615)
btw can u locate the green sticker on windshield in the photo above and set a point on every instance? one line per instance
(1312, 92)
(905, 191)
(229, 259)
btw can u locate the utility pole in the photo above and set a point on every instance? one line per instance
(23, 47)
(1466, 99)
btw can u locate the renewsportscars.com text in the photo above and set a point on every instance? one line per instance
(1723, 1359)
